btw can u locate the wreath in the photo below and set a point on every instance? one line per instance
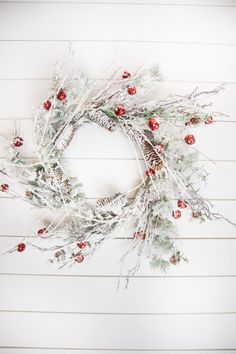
(162, 131)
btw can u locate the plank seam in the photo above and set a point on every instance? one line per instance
(84, 313)
(31, 118)
(117, 276)
(104, 79)
(118, 3)
(119, 350)
(119, 41)
(116, 159)
(131, 238)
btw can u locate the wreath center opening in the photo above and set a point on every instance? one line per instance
(105, 163)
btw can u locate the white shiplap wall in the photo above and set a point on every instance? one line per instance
(193, 307)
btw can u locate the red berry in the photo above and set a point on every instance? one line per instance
(18, 141)
(47, 105)
(61, 96)
(82, 244)
(4, 187)
(176, 214)
(182, 204)
(21, 247)
(139, 235)
(42, 232)
(79, 258)
(189, 139)
(150, 172)
(209, 120)
(120, 111)
(132, 90)
(125, 75)
(153, 124)
(160, 148)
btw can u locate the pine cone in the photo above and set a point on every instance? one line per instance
(116, 200)
(57, 173)
(103, 120)
(195, 120)
(66, 187)
(151, 156)
(65, 137)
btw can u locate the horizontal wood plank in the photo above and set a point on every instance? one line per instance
(104, 331)
(162, 296)
(17, 19)
(184, 62)
(206, 258)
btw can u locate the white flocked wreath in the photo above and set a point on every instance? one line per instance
(162, 131)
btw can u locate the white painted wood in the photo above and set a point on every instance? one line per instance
(206, 258)
(70, 21)
(105, 331)
(145, 295)
(184, 62)
(194, 43)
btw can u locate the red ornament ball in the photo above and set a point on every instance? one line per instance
(160, 148)
(61, 96)
(4, 187)
(21, 247)
(189, 139)
(150, 172)
(139, 235)
(79, 258)
(120, 111)
(42, 232)
(176, 214)
(18, 141)
(209, 120)
(182, 204)
(47, 105)
(153, 124)
(82, 244)
(132, 90)
(125, 75)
